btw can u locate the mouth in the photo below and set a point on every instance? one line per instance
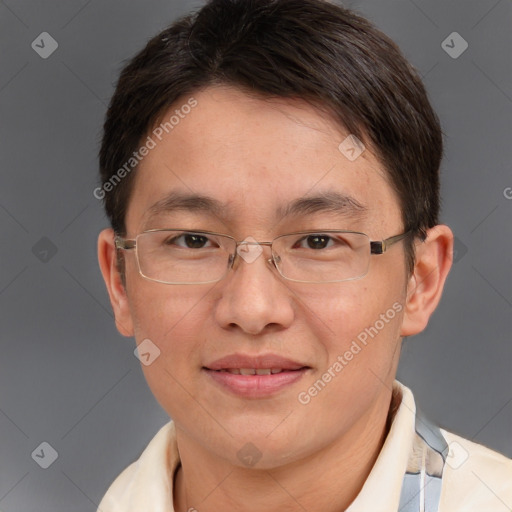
(255, 377)
(255, 371)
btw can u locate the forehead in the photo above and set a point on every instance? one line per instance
(256, 158)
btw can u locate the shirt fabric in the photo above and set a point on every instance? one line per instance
(475, 478)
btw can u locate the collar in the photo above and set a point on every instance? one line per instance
(407, 475)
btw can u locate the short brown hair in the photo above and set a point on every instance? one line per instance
(310, 49)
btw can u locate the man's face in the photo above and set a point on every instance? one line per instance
(255, 157)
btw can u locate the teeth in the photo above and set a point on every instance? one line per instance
(252, 371)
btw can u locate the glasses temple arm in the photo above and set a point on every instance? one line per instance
(381, 246)
(123, 243)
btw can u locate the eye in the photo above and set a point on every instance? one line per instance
(316, 241)
(189, 241)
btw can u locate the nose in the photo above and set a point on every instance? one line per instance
(273, 261)
(253, 296)
(249, 250)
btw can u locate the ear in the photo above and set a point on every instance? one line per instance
(115, 287)
(433, 261)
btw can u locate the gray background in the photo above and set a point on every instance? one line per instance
(67, 377)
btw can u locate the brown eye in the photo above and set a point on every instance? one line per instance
(315, 241)
(189, 241)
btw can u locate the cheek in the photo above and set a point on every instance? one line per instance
(342, 312)
(173, 320)
(165, 313)
(362, 348)
(358, 326)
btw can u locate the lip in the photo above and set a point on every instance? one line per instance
(255, 386)
(257, 362)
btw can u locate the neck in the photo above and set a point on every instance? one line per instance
(345, 466)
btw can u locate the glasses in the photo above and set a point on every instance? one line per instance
(175, 256)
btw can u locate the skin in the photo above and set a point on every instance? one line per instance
(255, 155)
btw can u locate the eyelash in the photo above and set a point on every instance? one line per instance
(172, 240)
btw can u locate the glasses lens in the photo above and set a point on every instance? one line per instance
(183, 257)
(194, 257)
(323, 256)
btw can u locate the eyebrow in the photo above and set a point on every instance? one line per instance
(329, 201)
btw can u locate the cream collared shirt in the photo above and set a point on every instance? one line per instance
(475, 478)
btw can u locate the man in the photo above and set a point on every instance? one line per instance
(271, 173)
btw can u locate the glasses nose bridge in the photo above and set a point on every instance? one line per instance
(271, 260)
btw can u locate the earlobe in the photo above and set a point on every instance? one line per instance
(115, 287)
(433, 261)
